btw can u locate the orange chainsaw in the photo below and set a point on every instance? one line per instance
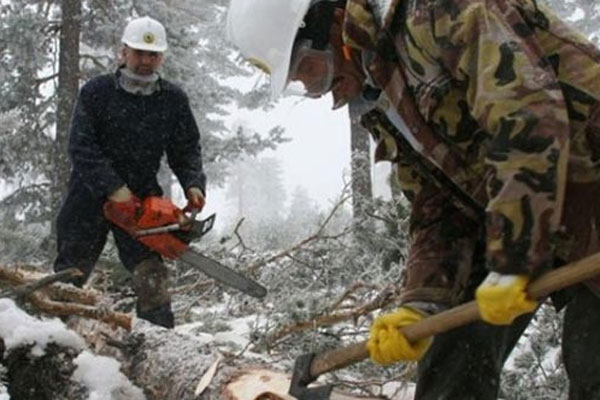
(168, 230)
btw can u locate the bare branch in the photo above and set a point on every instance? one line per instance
(348, 293)
(317, 235)
(41, 81)
(45, 304)
(385, 297)
(29, 288)
(40, 297)
(97, 61)
(237, 234)
(199, 284)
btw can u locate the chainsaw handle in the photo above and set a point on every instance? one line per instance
(171, 227)
(193, 214)
(557, 279)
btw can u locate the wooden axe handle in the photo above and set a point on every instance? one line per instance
(552, 281)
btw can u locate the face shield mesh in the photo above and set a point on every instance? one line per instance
(311, 67)
(311, 70)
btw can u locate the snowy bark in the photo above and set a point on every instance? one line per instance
(43, 378)
(172, 366)
(169, 365)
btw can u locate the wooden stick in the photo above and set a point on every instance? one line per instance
(384, 298)
(47, 280)
(42, 292)
(64, 308)
(17, 276)
(560, 278)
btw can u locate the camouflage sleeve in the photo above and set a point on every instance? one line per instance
(515, 96)
(409, 180)
(442, 254)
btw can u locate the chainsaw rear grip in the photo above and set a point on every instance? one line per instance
(134, 215)
(124, 214)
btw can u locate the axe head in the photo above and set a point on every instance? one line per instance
(301, 378)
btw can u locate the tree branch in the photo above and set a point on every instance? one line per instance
(61, 308)
(28, 288)
(41, 81)
(41, 293)
(238, 236)
(94, 59)
(385, 297)
(317, 235)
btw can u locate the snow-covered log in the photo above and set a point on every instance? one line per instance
(45, 361)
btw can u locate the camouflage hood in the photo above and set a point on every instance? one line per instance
(365, 19)
(360, 25)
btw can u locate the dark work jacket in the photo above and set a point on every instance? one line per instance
(119, 138)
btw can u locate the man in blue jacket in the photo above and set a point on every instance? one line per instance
(123, 123)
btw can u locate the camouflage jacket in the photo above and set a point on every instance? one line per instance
(502, 102)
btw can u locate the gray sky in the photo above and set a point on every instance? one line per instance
(319, 152)
(318, 156)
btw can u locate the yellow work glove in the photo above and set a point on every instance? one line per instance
(502, 298)
(386, 342)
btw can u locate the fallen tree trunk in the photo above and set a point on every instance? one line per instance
(165, 364)
(42, 360)
(173, 366)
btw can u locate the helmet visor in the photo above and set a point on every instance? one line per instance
(311, 70)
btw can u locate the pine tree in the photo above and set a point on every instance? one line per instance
(255, 190)
(199, 59)
(303, 216)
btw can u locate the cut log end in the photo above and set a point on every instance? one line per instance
(265, 384)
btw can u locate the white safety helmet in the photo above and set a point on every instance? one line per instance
(145, 33)
(264, 32)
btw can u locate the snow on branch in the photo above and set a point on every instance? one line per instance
(318, 235)
(385, 297)
(47, 295)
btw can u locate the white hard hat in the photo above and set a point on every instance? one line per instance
(264, 32)
(145, 33)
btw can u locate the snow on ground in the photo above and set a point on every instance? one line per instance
(107, 385)
(236, 332)
(19, 328)
(231, 333)
(399, 391)
(214, 326)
